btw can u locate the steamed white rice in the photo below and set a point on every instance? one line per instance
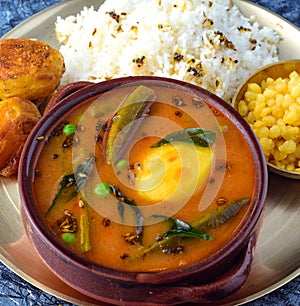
(208, 43)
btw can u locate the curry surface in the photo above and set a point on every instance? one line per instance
(112, 243)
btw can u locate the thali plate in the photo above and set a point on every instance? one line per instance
(277, 257)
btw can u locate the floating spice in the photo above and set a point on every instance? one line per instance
(131, 238)
(178, 101)
(197, 103)
(68, 223)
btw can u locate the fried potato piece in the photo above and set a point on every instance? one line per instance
(18, 117)
(29, 69)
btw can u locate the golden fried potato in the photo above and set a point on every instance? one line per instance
(18, 117)
(29, 69)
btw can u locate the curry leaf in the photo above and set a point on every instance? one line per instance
(209, 220)
(122, 201)
(70, 184)
(183, 229)
(198, 136)
(84, 170)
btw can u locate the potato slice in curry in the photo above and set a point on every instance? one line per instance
(173, 171)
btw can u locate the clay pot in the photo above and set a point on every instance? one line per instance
(206, 281)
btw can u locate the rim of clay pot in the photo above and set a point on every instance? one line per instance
(33, 148)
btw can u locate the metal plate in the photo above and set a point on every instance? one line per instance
(277, 257)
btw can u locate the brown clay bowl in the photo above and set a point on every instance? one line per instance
(207, 281)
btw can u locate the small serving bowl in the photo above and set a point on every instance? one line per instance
(207, 281)
(276, 70)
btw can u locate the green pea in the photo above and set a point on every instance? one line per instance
(68, 237)
(121, 164)
(102, 190)
(69, 129)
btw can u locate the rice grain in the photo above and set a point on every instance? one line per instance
(207, 43)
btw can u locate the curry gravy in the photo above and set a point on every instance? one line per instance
(114, 244)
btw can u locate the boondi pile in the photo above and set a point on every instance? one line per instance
(272, 108)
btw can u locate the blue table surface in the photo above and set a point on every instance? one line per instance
(16, 291)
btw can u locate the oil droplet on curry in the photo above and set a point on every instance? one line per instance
(138, 183)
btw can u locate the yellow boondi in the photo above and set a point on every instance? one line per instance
(173, 171)
(272, 108)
